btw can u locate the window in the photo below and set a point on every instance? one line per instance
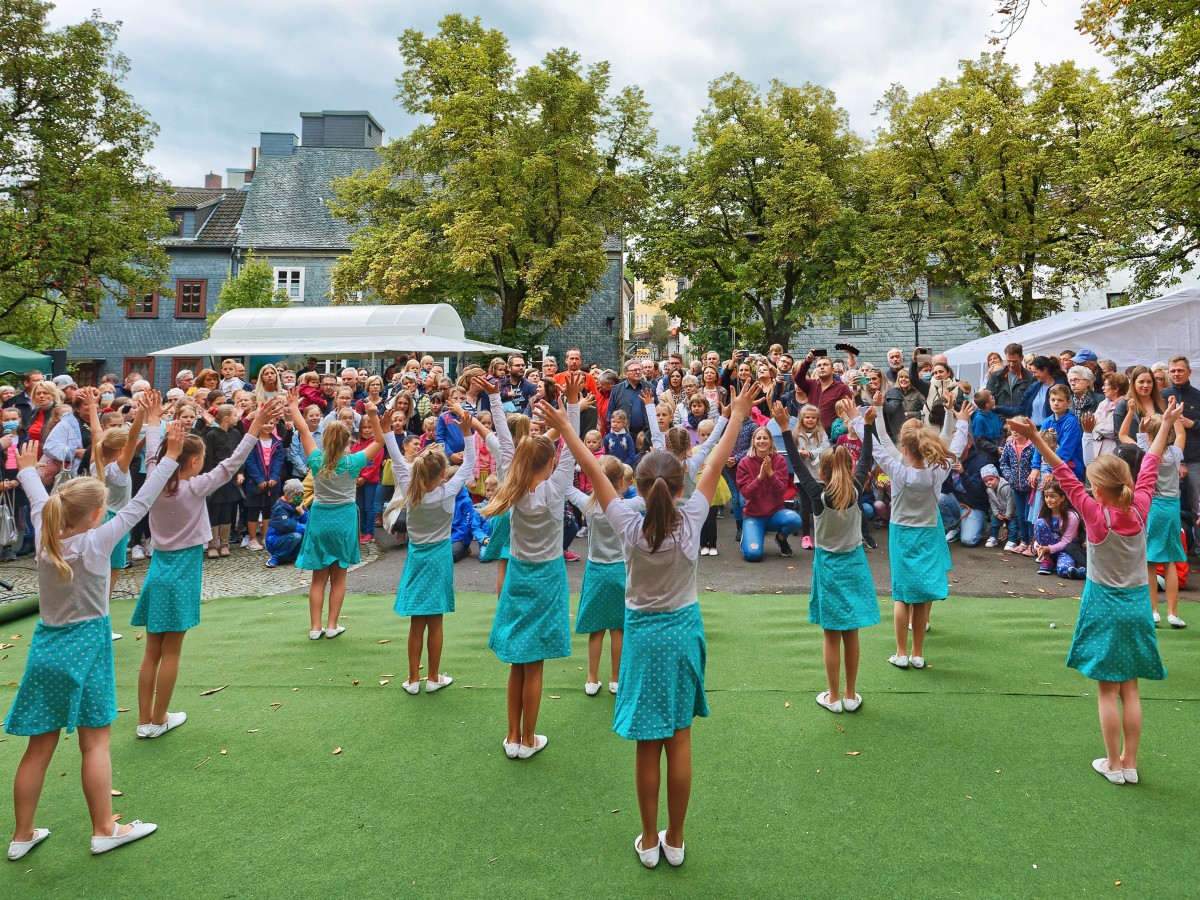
(191, 298)
(355, 297)
(187, 224)
(853, 323)
(179, 363)
(144, 307)
(291, 282)
(944, 300)
(1116, 299)
(142, 364)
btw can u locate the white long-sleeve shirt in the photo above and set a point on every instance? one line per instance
(914, 491)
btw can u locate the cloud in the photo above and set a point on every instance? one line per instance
(214, 75)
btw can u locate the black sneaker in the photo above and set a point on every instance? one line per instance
(738, 537)
(870, 541)
(785, 549)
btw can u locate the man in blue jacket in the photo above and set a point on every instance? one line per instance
(288, 521)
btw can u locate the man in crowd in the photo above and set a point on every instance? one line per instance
(350, 380)
(184, 380)
(1008, 385)
(515, 388)
(824, 391)
(587, 417)
(674, 361)
(1179, 371)
(626, 396)
(329, 386)
(895, 362)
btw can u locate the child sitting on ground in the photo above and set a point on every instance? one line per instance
(285, 531)
(1000, 503)
(1057, 535)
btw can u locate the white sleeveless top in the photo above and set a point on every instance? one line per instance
(838, 530)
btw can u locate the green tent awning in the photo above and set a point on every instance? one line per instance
(18, 359)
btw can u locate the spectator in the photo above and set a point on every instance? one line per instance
(1084, 398)
(964, 487)
(763, 480)
(824, 391)
(1008, 385)
(1035, 401)
(1179, 370)
(626, 396)
(24, 400)
(517, 392)
(184, 380)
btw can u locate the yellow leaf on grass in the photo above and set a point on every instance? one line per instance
(383, 682)
(555, 697)
(337, 751)
(853, 752)
(117, 793)
(839, 728)
(122, 709)
(212, 691)
(224, 752)
(254, 731)
(276, 705)
(354, 683)
(386, 641)
(786, 705)
(137, 637)
(6, 646)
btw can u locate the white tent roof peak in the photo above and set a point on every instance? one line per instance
(346, 330)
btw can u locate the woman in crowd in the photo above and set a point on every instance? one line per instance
(1143, 399)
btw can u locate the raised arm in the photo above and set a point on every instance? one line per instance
(657, 441)
(400, 467)
(962, 427)
(811, 487)
(110, 533)
(1170, 424)
(466, 469)
(576, 448)
(862, 471)
(700, 453)
(1029, 431)
(27, 460)
(373, 449)
(135, 433)
(499, 421)
(210, 481)
(306, 439)
(739, 408)
(153, 433)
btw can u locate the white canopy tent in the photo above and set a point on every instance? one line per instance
(1141, 334)
(337, 331)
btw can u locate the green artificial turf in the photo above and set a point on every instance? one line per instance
(972, 778)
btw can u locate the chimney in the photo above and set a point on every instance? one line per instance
(212, 181)
(235, 178)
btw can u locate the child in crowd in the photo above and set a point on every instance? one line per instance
(1016, 465)
(1114, 641)
(310, 391)
(1001, 507)
(68, 681)
(721, 496)
(917, 547)
(1058, 540)
(602, 598)
(330, 547)
(1067, 432)
(468, 525)
(619, 442)
(843, 591)
(263, 477)
(367, 487)
(169, 603)
(987, 431)
(220, 442)
(1163, 542)
(663, 657)
(429, 435)
(811, 441)
(532, 622)
(286, 528)
(426, 589)
(594, 441)
(229, 381)
(11, 494)
(512, 430)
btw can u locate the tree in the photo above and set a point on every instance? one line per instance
(1156, 180)
(986, 187)
(253, 287)
(509, 189)
(80, 211)
(762, 216)
(659, 333)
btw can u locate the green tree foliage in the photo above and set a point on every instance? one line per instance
(659, 333)
(763, 215)
(1156, 47)
(80, 211)
(507, 190)
(988, 187)
(253, 287)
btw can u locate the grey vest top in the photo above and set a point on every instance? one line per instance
(430, 523)
(65, 603)
(536, 535)
(1167, 483)
(604, 546)
(1119, 560)
(838, 530)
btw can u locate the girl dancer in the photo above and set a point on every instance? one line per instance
(68, 681)
(1114, 640)
(662, 665)
(512, 430)
(169, 603)
(426, 590)
(602, 598)
(917, 547)
(532, 621)
(330, 545)
(1163, 544)
(843, 592)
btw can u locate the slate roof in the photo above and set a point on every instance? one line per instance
(222, 227)
(614, 243)
(194, 197)
(287, 203)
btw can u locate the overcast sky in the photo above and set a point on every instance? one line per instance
(214, 74)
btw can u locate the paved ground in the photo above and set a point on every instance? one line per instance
(978, 572)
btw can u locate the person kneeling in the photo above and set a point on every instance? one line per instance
(286, 528)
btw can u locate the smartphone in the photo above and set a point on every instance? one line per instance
(925, 351)
(863, 380)
(739, 355)
(819, 351)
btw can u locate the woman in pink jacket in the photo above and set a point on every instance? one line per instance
(763, 480)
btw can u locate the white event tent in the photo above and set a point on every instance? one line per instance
(1141, 334)
(337, 331)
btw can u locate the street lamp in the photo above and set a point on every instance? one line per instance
(915, 304)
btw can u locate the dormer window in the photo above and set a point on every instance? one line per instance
(187, 224)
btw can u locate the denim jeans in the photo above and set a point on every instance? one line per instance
(970, 526)
(1020, 529)
(285, 547)
(367, 499)
(736, 502)
(754, 530)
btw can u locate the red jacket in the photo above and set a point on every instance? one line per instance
(762, 499)
(374, 468)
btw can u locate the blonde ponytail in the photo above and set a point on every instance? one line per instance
(678, 441)
(922, 442)
(660, 481)
(427, 471)
(1109, 473)
(71, 505)
(531, 457)
(333, 445)
(837, 472)
(614, 470)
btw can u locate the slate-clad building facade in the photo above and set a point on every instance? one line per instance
(282, 214)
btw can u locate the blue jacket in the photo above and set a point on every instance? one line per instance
(1026, 406)
(286, 519)
(968, 487)
(256, 472)
(622, 446)
(986, 430)
(468, 525)
(448, 434)
(1070, 444)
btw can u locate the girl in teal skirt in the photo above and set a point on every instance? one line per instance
(602, 598)
(917, 547)
(330, 544)
(533, 621)
(512, 429)
(426, 590)
(68, 681)
(843, 591)
(1163, 543)
(663, 659)
(169, 602)
(1114, 641)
